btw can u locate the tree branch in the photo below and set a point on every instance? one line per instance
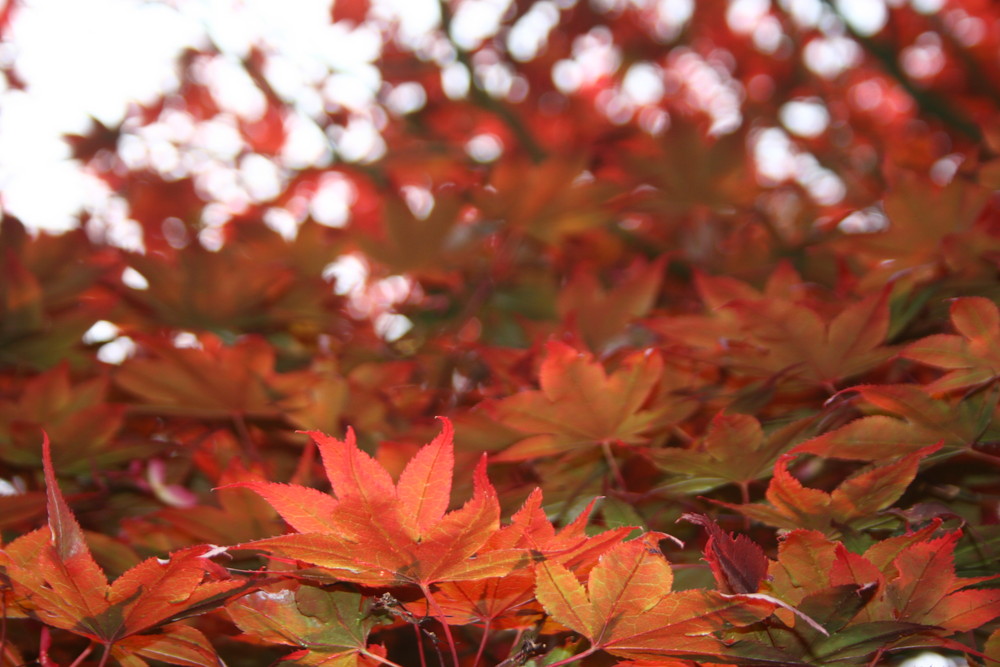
(928, 101)
(487, 102)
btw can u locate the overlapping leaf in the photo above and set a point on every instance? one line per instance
(508, 601)
(904, 586)
(915, 420)
(212, 380)
(628, 609)
(78, 416)
(580, 404)
(734, 450)
(856, 500)
(972, 358)
(773, 333)
(54, 578)
(408, 243)
(602, 314)
(738, 563)
(549, 201)
(239, 516)
(329, 627)
(280, 285)
(50, 294)
(375, 532)
(787, 335)
(928, 226)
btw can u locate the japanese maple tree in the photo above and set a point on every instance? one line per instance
(609, 333)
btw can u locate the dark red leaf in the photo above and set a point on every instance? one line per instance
(738, 563)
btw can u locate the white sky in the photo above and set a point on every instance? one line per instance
(91, 58)
(71, 55)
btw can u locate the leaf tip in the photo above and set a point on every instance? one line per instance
(67, 536)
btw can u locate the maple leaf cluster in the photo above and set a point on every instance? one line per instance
(620, 391)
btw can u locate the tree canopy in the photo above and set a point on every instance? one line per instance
(612, 331)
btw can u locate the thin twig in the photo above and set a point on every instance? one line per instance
(439, 614)
(105, 655)
(240, 423)
(420, 644)
(80, 658)
(983, 456)
(613, 467)
(482, 643)
(378, 658)
(574, 658)
(971, 65)
(745, 498)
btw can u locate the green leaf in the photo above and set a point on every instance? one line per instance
(327, 623)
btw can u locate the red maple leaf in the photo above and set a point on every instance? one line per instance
(508, 601)
(909, 584)
(53, 577)
(375, 532)
(628, 609)
(738, 563)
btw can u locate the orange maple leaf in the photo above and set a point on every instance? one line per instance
(580, 404)
(971, 358)
(628, 609)
(375, 532)
(53, 577)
